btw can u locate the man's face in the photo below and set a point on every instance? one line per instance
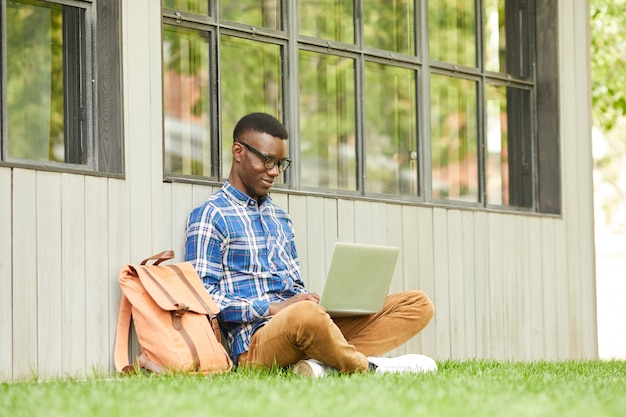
(251, 175)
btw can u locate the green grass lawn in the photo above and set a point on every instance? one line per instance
(469, 388)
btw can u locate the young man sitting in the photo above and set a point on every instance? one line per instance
(242, 245)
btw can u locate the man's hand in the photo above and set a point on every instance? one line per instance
(276, 307)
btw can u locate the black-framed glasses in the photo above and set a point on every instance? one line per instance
(269, 161)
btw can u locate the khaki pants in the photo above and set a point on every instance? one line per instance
(304, 330)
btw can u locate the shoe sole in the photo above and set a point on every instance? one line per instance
(304, 369)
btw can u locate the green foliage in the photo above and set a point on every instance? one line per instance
(471, 388)
(608, 65)
(608, 59)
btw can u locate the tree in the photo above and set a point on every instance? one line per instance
(608, 63)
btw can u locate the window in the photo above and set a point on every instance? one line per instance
(58, 110)
(428, 102)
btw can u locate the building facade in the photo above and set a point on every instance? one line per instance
(458, 131)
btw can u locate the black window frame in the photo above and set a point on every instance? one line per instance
(535, 179)
(93, 83)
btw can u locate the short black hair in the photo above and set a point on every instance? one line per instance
(260, 122)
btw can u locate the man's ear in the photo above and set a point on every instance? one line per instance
(237, 149)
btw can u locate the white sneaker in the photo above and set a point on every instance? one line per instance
(411, 363)
(312, 368)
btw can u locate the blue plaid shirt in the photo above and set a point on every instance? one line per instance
(246, 257)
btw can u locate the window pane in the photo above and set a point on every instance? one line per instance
(495, 36)
(250, 82)
(186, 109)
(43, 93)
(188, 6)
(452, 31)
(327, 121)
(390, 130)
(508, 141)
(454, 138)
(497, 146)
(327, 19)
(389, 25)
(507, 38)
(265, 13)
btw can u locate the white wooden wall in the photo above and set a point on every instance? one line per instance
(505, 286)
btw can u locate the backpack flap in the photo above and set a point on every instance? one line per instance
(175, 287)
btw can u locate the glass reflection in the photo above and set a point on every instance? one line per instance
(506, 43)
(265, 13)
(454, 138)
(452, 33)
(390, 130)
(497, 146)
(327, 121)
(188, 6)
(186, 108)
(509, 153)
(390, 25)
(495, 36)
(43, 101)
(327, 19)
(250, 81)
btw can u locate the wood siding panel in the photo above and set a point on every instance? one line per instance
(456, 277)
(281, 200)
(73, 264)
(481, 285)
(363, 222)
(25, 354)
(6, 272)
(118, 205)
(394, 232)
(426, 272)
(576, 156)
(575, 299)
(377, 222)
(50, 278)
(345, 221)
(297, 211)
(97, 285)
(182, 204)
(165, 227)
(497, 323)
(534, 292)
(562, 284)
(391, 228)
(522, 266)
(410, 262)
(469, 283)
(509, 279)
(331, 228)
(141, 141)
(442, 286)
(410, 248)
(316, 271)
(548, 273)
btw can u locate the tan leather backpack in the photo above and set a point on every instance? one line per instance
(175, 320)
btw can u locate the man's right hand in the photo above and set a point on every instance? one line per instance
(276, 307)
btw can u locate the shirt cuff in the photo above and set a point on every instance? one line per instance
(262, 308)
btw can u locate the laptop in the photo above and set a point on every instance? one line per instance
(358, 279)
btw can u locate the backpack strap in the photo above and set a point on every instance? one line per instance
(121, 345)
(120, 357)
(146, 363)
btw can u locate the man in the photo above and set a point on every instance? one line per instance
(242, 246)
